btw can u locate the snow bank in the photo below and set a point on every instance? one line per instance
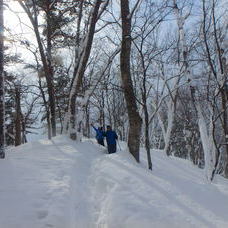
(63, 184)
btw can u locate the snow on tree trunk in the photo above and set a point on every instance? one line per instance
(76, 89)
(207, 142)
(174, 94)
(169, 127)
(46, 108)
(166, 132)
(2, 89)
(206, 134)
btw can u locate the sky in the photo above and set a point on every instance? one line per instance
(19, 30)
(11, 7)
(12, 21)
(15, 30)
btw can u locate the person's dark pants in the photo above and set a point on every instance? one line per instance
(2, 155)
(100, 141)
(111, 148)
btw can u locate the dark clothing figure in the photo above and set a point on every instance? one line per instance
(99, 135)
(111, 138)
(111, 148)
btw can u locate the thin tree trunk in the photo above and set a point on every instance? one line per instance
(87, 120)
(50, 73)
(18, 116)
(24, 138)
(146, 114)
(60, 117)
(2, 89)
(147, 140)
(47, 109)
(135, 121)
(225, 128)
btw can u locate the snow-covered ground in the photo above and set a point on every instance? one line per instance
(63, 184)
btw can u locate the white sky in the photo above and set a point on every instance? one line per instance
(18, 30)
(12, 21)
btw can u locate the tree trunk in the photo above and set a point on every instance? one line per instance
(45, 59)
(24, 138)
(171, 115)
(135, 121)
(147, 140)
(87, 128)
(50, 73)
(225, 129)
(79, 74)
(146, 114)
(18, 116)
(2, 89)
(47, 109)
(146, 121)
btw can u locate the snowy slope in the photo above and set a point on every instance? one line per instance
(63, 184)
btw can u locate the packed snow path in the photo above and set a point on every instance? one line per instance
(63, 184)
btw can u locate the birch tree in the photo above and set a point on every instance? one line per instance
(206, 133)
(214, 36)
(173, 91)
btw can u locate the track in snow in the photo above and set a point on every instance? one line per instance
(61, 183)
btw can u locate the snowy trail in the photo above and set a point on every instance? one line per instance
(39, 181)
(60, 184)
(133, 198)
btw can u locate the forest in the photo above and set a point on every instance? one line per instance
(155, 70)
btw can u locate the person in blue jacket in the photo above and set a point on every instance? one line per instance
(99, 135)
(111, 138)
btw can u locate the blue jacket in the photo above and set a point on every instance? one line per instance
(111, 137)
(99, 133)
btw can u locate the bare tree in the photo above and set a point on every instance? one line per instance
(31, 10)
(135, 121)
(214, 38)
(76, 89)
(146, 45)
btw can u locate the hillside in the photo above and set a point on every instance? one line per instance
(63, 184)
